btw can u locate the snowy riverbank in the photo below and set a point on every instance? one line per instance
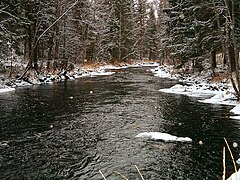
(7, 85)
(201, 86)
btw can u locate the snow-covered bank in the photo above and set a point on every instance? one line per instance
(200, 85)
(164, 72)
(203, 86)
(49, 78)
(236, 112)
(163, 137)
(6, 89)
(192, 90)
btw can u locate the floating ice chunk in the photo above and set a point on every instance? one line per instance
(163, 136)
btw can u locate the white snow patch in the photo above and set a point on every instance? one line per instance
(22, 84)
(238, 161)
(114, 67)
(194, 90)
(163, 136)
(235, 176)
(6, 89)
(101, 73)
(198, 86)
(139, 64)
(236, 110)
(150, 64)
(162, 72)
(223, 98)
(235, 117)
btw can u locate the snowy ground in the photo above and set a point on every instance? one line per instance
(4, 89)
(235, 176)
(199, 86)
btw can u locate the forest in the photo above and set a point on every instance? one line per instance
(103, 125)
(58, 34)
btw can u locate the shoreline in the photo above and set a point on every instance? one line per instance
(200, 86)
(8, 85)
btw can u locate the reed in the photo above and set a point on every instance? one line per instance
(139, 172)
(118, 173)
(102, 175)
(224, 164)
(229, 149)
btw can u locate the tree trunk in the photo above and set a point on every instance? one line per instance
(214, 61)
(57, 34)
(49, 58)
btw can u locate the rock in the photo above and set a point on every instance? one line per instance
(41, 78)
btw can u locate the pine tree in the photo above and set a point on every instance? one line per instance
(140, 29)
(12, 24)
(151, 36)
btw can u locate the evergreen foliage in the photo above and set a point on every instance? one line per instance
(91, 31)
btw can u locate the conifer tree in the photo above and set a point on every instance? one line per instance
(151, 36)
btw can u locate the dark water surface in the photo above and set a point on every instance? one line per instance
(63, 131)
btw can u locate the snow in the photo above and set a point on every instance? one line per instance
(163, 72)
(235, 117)
(193, 90)
(236, 110)
(235, 176)
(101, 73)
(238, 161)
(112, 67)
(199, 86)
(163, 136)
(49, 78)
(223, 98)
(140, 64)
(6, 89)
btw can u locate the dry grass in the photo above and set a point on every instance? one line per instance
(224, 164)
(219, 77)
(124, 177)
(234, 164)
(91, 65)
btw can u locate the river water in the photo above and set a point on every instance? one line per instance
(73, 129)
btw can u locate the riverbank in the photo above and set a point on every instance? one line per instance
(87, 70)
(217, 90)
(92, 124)
(214, 90)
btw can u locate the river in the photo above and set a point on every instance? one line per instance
(73, 129)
